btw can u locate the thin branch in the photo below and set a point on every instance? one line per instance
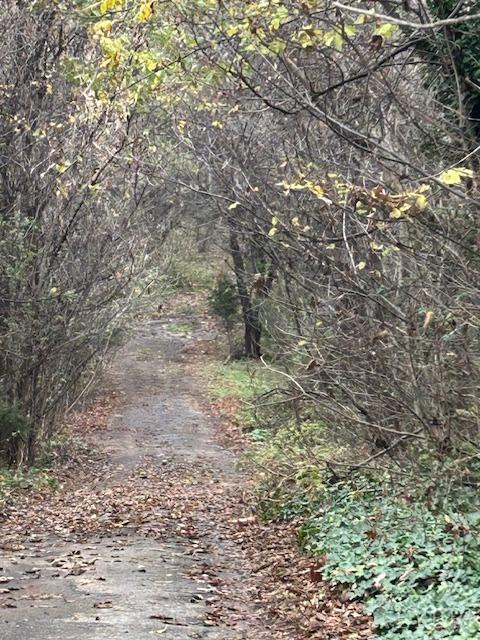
(406, 23)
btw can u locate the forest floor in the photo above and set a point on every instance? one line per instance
(152, 531)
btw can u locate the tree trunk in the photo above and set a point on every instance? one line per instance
(251, 321)
(253, 333)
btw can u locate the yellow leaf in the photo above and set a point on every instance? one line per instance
(145, 12)
(386, 30)
(234, 205)
(361, 265)
(454, 176)
(395, 214)
(334, 39)
(104, 26)
(423, 188)
(421, 202)
(305, 39)
(277, 46)
(109, 5)
(232, 30)
(150, 64)
(61, 167)
(350, 30)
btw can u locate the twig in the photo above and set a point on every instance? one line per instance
(406, 23)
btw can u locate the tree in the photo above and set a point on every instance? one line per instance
(340, 160)
(70, 242)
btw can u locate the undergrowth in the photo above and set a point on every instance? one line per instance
(180, 328)
(32, 479)
(411, 554)
(239, 382)
(289, 464)
(412, 557)
(44, 475)
(409, 551)
(186, 269)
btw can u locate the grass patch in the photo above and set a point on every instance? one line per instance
(180, 328)
(44, 476)
(287, 458)
(196, 275)
(241, 379)
(236, 386)
(190, 272)
(61, 449)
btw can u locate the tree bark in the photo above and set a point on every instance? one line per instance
(251, 320)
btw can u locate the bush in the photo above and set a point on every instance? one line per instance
(223, 300)
(291, 468)
(14, 427)
(73, 242)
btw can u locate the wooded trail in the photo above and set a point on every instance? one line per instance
(279, 202)
(137, 547)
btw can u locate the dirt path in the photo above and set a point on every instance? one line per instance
(149, 557)
(153, 531)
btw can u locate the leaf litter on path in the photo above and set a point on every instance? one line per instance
(251, 577)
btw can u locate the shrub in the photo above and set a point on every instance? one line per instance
(291, 468)
(223, 300)
(14, 427)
